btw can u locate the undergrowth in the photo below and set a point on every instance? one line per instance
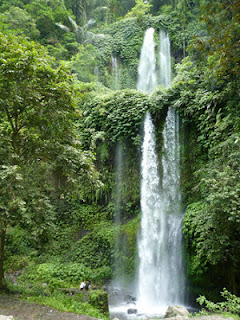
(230, 306)
(68, 303)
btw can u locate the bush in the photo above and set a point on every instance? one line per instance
(232, 303)
(58, 274)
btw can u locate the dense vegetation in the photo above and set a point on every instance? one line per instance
(68, 104)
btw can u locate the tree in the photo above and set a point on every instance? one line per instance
(140, 9)
(47, 14)
(220, 47)
(84, 63)
(20, 20)
(41, 160)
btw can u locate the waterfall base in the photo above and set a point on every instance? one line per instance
(124, 306)
(133, 311)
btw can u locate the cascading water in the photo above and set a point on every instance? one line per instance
(151, 240)
(174, 273)
(147, 79)
(160, 275)
(164, 58)
(115, 74)
(119, 268)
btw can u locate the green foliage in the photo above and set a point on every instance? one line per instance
(127, 41)
(212, 226)
(88, 216)
(39, 145)
(125, 255)
(103, 45)
(220, 48)
(84, 63)
(95, 249)
(7, 4)
(118, 114)
(19, 20)
(208, 105)
(140, 9)
(41, 129)
(232, 303)
(57, 273)
(99, 299)
(18, 242)
(46, 15)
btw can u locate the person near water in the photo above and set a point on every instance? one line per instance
(83, 285)
(88, 285)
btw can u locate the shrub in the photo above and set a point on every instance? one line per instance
(232, 303)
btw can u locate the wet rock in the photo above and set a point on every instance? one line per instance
(176, 311)
(129, 299)
(132, 311)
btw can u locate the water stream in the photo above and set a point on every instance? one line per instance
(115, 74)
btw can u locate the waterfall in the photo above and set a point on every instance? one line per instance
(164, 58)
(119, 267)
(96, 72)
(172, 266)
(160, 274)
(115, 73)
(150, 244)
(147, 79)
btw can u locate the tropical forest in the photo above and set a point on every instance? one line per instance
(119, 158)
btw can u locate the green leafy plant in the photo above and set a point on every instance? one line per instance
(232, 303)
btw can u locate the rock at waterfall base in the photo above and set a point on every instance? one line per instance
(175, 311)
(132, 311)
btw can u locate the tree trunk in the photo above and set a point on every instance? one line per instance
(2, 247)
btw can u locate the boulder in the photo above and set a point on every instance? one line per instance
(129, 299)
(6, 317)
(175, 311)
(132, 311)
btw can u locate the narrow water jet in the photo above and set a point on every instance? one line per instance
(119, 268)
(115, 74)
(164, 58)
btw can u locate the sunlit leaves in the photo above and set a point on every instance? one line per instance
(140, 9)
